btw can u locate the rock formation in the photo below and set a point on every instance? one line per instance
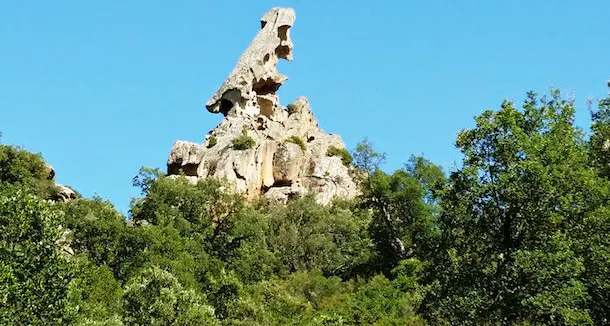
(64, 193)
(262, 146)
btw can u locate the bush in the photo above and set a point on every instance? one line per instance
(292, 108)
(34, 276)
(156, 297)
(345, 156)
(212, 141)
(22, 168)
(243, 142)
(297, 140)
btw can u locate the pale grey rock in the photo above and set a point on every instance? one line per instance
(256, 72)
(184, 157)
(64, 242)
(50, 171)
(287, 163)
(282, 194)
(65, 194)
(330, 179)
(273, 167)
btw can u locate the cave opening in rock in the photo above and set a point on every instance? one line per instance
(265, 86)
(189, 169)
(283, 51)
(225, 106)
(282, 183)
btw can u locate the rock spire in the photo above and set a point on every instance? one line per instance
(262, 147)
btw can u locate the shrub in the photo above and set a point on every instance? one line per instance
(34, 276)
(297, 140)
(345, 156)
(20, 167)
(292, 108)
(243, 142)
(212, 141)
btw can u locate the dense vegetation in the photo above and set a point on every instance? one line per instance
(519, 234)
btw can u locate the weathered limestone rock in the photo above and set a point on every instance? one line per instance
(278, 168)
(287, 163)
(256, 72)
(184, 157)
(282, 194)
(65, 194)
(50, 171)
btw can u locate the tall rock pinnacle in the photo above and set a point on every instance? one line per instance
(260, 146)
(255, 73)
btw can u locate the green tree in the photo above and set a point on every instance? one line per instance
(430, 176)
(380, 302)
(594, 243)
(157, 298)
(34, 277)
(402, 223)
(509, 216)
(300, 299)
(95, 294)
(100, 232)
(307, 236)
(20, 167)
(600, 137)
(309, 298)
(366, 158)
(208, 238)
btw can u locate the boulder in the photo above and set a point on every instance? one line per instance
(65, 194)
(184, 157)
(287, 162)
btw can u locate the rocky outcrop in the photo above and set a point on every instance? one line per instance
(64, 193)
(255, 76)
(262, 147)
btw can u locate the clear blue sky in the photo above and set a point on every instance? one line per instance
(101, 88)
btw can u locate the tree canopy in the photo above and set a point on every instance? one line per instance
(517, 234)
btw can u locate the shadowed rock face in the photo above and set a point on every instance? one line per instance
(289, 155)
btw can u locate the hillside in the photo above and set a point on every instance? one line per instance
(272, 221)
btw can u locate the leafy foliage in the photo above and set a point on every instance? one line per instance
(518, 234)
(212, 141)
(34, 277)
(297, 140)
(291, 108)
(20, 167)
(243, 142)
(156, 298)
(306, 236)
(366, 158)
(509, 216)
(345, 156)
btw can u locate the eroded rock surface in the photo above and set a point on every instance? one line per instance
(289, 155)
(255, 74)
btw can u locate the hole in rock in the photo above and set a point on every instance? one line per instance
(282, 183)
(188, 169)
(265, 86)
(225, 106)
(283, 51)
